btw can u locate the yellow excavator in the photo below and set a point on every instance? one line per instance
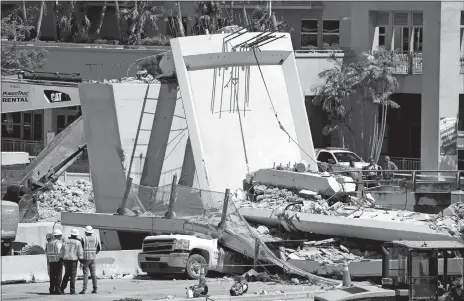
(414, 275)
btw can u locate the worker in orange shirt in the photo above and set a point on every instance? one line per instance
(71, 254)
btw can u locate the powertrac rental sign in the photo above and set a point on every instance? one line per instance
(15, 95)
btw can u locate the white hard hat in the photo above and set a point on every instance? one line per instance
(57, 232)
(74, 232)
(89, 229)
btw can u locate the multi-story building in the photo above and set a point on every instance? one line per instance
(426, 35)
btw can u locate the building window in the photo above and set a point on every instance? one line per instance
(309, 33)
(418, 31)
(330, 33)
(382, 35)
(11, 125)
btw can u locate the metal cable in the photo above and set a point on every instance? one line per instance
(277, 117)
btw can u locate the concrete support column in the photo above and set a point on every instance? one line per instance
(440, 83)
(47, 124)
(188, 167)
(159, 136)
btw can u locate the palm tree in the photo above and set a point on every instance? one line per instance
(377, 83)
(209, 17)
(180, 24)
(139, 14)
(260, 19)
(39, 20)
(100, 21)
(118, 18)
(339, 84)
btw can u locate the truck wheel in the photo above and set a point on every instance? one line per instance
(32, 250)
(194, 264)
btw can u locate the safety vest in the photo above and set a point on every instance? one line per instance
(90, 247)
(72, 250)
(54, 250)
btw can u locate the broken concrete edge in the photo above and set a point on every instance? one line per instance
(245, 297)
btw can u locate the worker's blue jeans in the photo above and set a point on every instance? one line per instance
(70, 274)
(86, 266)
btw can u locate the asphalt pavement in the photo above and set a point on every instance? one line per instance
(144, 289)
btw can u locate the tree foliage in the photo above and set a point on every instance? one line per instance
(371, 79)
(13, 57)
(136, 16)
(209, 16)
(72, 21)
(340, 82)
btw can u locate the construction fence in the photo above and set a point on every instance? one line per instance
(202, 207)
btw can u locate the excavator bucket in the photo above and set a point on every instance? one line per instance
(28, 212)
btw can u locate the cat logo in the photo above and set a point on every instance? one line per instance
(56, 96)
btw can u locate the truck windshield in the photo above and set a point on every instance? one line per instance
(346, 157)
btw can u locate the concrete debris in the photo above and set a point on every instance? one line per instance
(456, 209)
(304, 201)
(282, 200)
(149, 79)
(62, 197)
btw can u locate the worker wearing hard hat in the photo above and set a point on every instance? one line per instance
(91, 247)
(53, 251)
(71, 253)
(48, 237)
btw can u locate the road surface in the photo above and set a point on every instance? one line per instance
(144, 289)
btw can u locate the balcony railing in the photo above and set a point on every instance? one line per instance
(318, 52)
(406, 63)
(28, 146)
(406, 163)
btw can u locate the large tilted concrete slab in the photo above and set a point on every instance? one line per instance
(219, 139)
(236, 241)
(325, 185)
(346, 227)
(111, 116)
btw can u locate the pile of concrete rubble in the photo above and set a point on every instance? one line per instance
(281, 199)
(304, 201)
(328, 251)
(75, 197)
(149, 79)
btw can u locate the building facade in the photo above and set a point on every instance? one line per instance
(427, 37)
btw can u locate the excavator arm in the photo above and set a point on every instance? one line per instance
(45, 169)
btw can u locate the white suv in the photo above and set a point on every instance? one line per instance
(339, 158)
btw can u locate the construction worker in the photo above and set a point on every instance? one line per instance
(389, 165)
(91, 247)
(48, 237)
(71, 254)
(53, 250)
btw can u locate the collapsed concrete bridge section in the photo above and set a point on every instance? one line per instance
(229, 111)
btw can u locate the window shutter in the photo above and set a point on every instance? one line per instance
(417, 19)
(401, 19)
(383, 18)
